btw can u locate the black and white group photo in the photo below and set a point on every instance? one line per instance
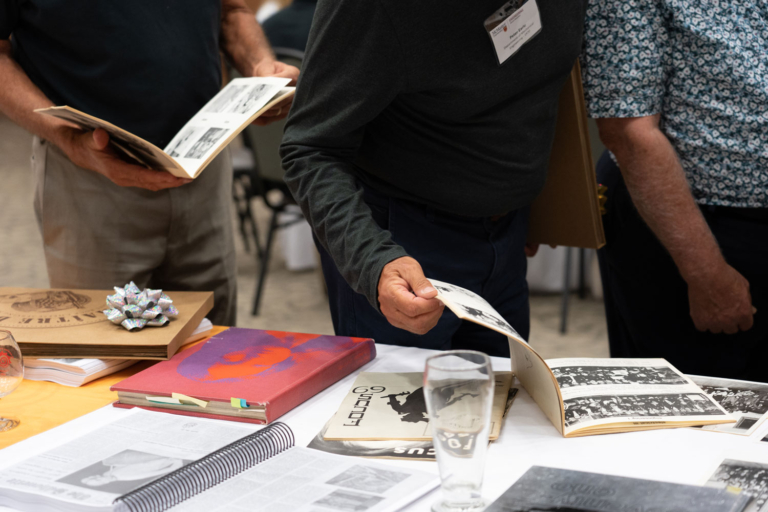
(752, 398)
(578, 410)
(750, 477)
(572, 376)
(205, 143)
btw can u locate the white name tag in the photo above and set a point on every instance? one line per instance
(511, 31)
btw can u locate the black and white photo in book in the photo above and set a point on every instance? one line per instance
(750, 477)
(205, 143)
(245, 103)
(181, 144)
(590, 408)
(746, 402)
(124, 471)
(222, 102)
(572, 376)
(468, 305)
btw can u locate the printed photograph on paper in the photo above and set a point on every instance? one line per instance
(574, 376)
(248, 101)
(224, 100)
(181, 144)
(470, 306)
(348, 501)
(205, 143)
(368, 479)
(583, 409)
(746, 402)
(750, 477)
(124, 471)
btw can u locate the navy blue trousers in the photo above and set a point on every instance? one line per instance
(646, 299)
(483, 255)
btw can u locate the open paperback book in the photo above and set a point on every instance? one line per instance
(147, 461)
(583, 396)
(76, 372)
(203, 137)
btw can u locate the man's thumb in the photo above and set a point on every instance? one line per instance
(100, 139)
(420, 285)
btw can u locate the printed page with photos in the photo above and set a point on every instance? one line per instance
(750, 476)
(746, 402)
(593, 396)
(604, 391)
(237, 105)
(222, 118)
(92, 471)
(305, 480)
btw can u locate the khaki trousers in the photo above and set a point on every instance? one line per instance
(97, 235)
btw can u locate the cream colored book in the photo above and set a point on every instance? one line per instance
(587, 396)
(391, 406)
(203, 137)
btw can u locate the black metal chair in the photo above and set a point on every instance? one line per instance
(264, 179)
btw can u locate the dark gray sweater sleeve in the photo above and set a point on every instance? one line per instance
(353, 69)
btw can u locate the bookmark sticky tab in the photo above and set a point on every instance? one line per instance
(184, 399)
(163, 400)
(238, 403)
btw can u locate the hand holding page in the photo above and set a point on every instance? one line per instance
(203, 137)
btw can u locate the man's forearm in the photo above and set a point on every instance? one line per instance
(242, 39)
(19, 97)
(660, 192)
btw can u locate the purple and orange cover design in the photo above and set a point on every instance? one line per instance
(278, 370)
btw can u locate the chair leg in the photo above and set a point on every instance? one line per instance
(582, 273)
(264, 264)
(254, 231)
(566, 292)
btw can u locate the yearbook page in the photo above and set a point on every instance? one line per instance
(222, 118)
(751, 477)
(746, 402)
(600, 392)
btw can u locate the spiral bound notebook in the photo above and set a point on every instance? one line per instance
(151, 462)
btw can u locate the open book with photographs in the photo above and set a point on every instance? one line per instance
(203, 137)
(587, 396)
(146, 461)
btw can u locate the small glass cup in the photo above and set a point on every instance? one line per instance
(11, 373)
(458, 388)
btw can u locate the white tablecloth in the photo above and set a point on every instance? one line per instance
(684, 455)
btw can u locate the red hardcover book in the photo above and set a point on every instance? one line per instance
(271, 371)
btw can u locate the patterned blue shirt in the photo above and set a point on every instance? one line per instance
(702, 65)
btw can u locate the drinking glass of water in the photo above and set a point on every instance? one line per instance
(458, 387)
(11, 373)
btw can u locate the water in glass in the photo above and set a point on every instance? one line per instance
(11, 373)
(458, 387)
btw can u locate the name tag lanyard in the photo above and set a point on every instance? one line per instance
(511, 26)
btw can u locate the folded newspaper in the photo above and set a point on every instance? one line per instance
(583, 396)
(147, 461)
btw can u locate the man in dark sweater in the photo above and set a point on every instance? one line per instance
(412, 151)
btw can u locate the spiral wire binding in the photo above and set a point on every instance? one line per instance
(211, 470)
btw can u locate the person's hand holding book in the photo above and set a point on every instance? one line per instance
(282, 70)
(91, 150)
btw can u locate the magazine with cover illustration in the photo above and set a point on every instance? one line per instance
(388, 406)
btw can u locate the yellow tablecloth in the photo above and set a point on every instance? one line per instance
(43, 405)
